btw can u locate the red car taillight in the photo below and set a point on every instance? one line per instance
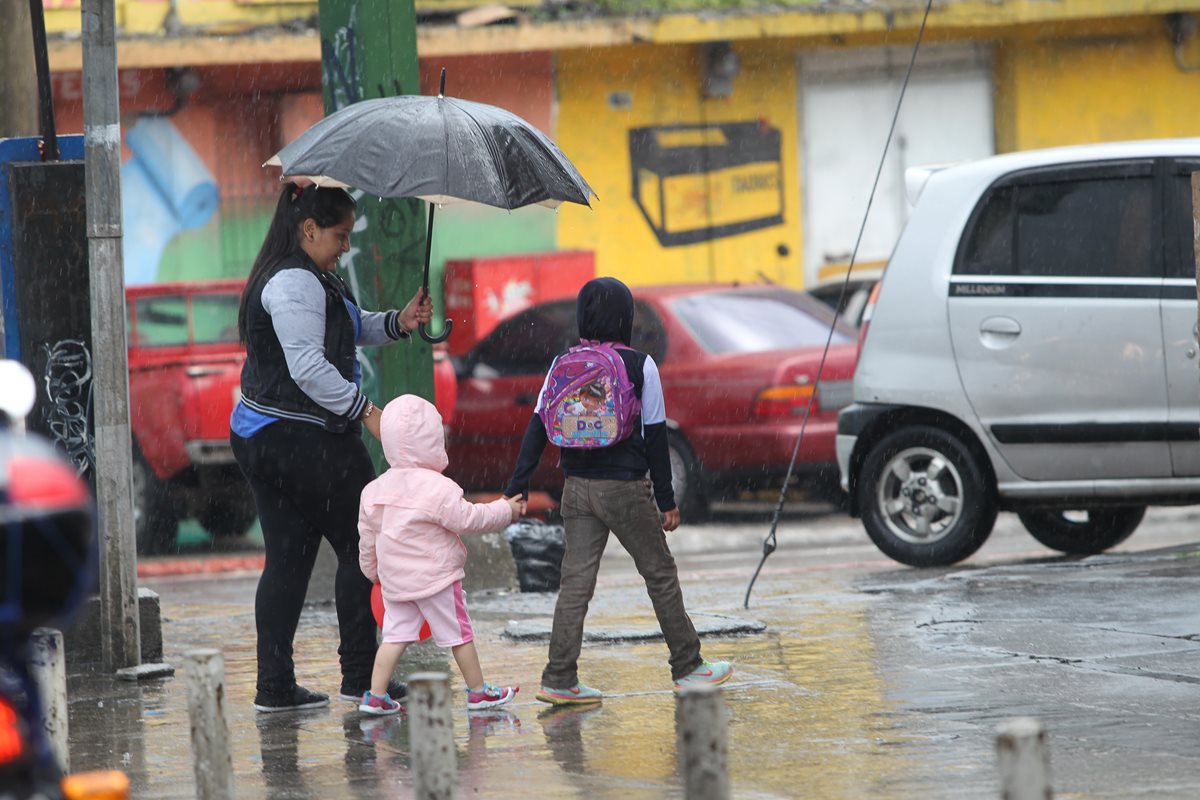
(12, 742)
(785, 401)
(868, 312)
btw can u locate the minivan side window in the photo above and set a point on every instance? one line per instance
(1083, 228)
(1181, 254)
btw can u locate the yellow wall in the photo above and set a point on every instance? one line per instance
(663, 87)
(1075, 90)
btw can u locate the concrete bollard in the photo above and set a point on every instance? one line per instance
(431, 730)
(205, 671)
(1024, 760)
(700, 720)
(49, 669)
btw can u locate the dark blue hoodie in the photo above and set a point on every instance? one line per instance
(604, 312)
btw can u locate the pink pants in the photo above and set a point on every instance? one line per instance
(446, 613)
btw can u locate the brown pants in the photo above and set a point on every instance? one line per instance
(590, 509)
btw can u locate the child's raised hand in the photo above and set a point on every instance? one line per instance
(517, 506)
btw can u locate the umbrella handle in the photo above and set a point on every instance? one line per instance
(425, 334)
(431, 338)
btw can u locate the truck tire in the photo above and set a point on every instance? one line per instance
(1101, 529)
(155, 520)
(228, 515)
(925, 499)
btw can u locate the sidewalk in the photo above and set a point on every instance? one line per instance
(868, 682)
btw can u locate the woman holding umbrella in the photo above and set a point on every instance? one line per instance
(296, 433)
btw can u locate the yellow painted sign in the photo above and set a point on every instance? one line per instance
(694, 183)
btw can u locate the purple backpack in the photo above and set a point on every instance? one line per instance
(589, 400)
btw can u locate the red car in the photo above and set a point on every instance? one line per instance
(185, 366)
(738, 366)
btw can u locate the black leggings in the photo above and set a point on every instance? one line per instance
(306, 483)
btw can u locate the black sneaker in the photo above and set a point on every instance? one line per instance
(396, 690)
(296, 700)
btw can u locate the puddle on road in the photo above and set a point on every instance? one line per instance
(807, 711)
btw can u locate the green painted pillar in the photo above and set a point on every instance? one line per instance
(368, 50)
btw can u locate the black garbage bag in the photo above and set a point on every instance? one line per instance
(538, 550)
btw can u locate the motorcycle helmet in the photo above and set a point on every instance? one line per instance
(47, 517)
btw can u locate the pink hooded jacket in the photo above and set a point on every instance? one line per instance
(411, 516)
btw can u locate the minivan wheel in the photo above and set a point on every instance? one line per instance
(1084, 532)
(925, 499)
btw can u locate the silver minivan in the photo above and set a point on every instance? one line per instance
(1032, 347)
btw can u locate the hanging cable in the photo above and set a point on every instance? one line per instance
(769, 544)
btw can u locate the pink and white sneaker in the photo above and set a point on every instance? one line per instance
(379, 706)
(490, 696)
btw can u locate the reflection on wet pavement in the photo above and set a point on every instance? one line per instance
(806, 709)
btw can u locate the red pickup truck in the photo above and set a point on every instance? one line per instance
(185, 366)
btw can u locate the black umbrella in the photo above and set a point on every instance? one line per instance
(439, 149)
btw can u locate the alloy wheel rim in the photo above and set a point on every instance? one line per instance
(920, 495)
(678, 474)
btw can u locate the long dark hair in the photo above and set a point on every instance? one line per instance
(325, 206)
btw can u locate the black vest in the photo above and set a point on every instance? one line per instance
(267, 386)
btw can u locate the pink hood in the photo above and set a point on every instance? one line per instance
(412, 434)
(411, 516)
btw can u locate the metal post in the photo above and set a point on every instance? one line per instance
(700, 743)
(45, 94)
(1024, 760)
(50, 671)
(432, 735)
(18, 76)
(120, 632)
(205, 671)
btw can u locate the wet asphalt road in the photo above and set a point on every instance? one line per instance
(871, 680)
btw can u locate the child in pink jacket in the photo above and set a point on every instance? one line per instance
(409, 522)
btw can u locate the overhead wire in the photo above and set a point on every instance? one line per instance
(770, 543)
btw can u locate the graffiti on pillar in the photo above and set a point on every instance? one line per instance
(68, 410)
(339, 62)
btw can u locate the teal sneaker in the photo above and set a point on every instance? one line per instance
(712, 673)
(575, 695)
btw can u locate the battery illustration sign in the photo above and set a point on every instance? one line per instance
(694, 183)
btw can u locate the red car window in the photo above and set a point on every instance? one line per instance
(755, 322)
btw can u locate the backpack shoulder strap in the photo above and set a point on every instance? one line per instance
(635, 361)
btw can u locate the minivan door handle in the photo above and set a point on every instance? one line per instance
(997, 333)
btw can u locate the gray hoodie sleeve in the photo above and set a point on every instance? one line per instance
(380, 327)
(296, 302)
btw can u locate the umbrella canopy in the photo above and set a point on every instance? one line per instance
(439, 149)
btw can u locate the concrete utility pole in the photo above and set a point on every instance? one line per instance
(18, 77)
(369, 49)
(120, 630)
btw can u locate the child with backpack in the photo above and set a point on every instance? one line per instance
(607, 449)
(409, 523)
